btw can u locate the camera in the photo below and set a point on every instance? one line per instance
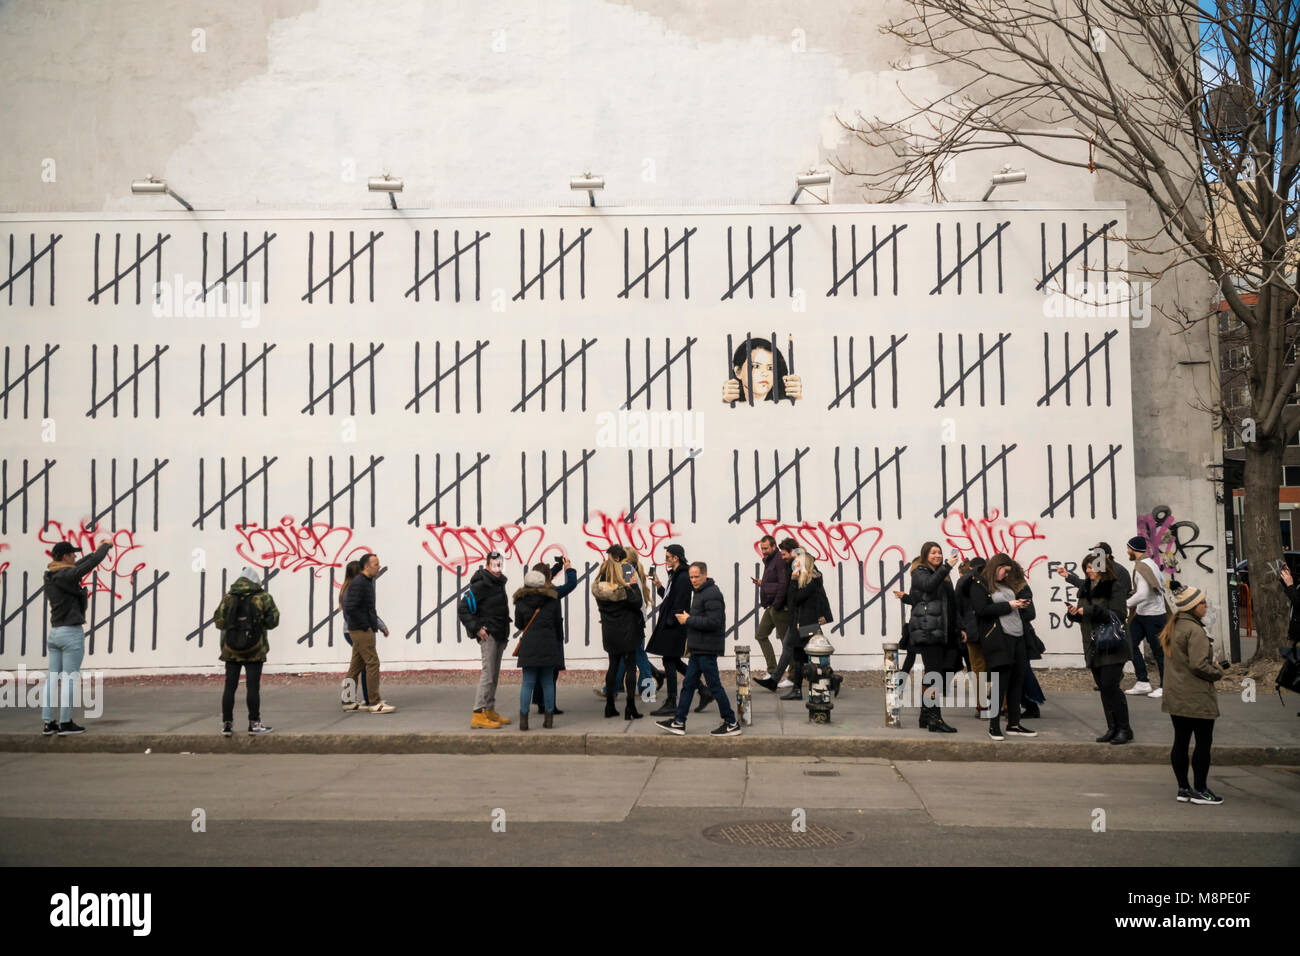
(557, 566)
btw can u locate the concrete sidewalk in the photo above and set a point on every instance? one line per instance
(433, 718)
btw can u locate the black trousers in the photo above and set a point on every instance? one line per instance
(1184, 729)
(253, 671)
(1113, 702)
(1011, 680)
(672, 667)
(629, 677)
(932, 660)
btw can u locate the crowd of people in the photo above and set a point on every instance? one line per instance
(983, 623)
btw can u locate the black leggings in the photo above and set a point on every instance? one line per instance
(672, 667)
(629, 677)
(1011, 681)
(1113, 702)
(253, 671)
(1184, 729)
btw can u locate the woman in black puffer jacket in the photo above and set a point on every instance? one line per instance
(933, 622)
(1098, 599)
(541, 644)
(622, 628)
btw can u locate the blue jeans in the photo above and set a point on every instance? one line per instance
(706, 666)
(67, 647)
(1148, 626)
(643, 668)
(545, 676)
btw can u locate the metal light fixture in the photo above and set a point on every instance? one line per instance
(385, 184)
(1004, 177)
(149, 185)
(813, 177)
(589, 183)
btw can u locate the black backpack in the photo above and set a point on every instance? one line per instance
(243, 624)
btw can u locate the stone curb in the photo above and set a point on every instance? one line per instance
(512, 741)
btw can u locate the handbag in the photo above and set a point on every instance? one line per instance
(515, 652)
(1110, 636)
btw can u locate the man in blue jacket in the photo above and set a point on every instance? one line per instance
(706, 635)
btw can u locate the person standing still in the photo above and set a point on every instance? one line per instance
(246, 613)
(485, 612)
(1146, 616)
(361, 620)
(67, 642)
(1192, 702)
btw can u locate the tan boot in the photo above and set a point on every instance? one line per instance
(482, 720)
(497, 717)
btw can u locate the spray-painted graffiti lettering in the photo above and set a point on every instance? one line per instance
(292, 546)
(462, 548)
(643, 537)
(119, 563)
(1168, 540)
(987, 536)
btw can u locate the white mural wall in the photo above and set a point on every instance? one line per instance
(290, 391)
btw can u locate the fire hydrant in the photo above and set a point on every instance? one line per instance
(822, 681)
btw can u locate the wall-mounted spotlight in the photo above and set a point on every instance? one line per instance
(149, 185)
(589, 183)
(811, 178)
(385, 184)
(1004, 177)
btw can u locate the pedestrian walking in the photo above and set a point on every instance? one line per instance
(646, 671)
(619, 599)
(67, 641)
(1002, 639)
(362, 622)
(350, 571)
(561, 591)
(1099, 611)
(771, 598)
(1190, 699)
(1031, 697)
(1147, 615)
(705, 621)
(541, 643)
(484, 610)
(809, 608)
(246, 612)
(668, 639)
(932, 625)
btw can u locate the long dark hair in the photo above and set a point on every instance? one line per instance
(350, 571)
(925, 553)
(990, 573)
(738, 358)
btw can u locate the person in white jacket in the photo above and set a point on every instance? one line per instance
(1146, 614)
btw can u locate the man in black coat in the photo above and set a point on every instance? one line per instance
(669, 638)
(362, 621)
(706, 637)
(67, 640)
(485, 612)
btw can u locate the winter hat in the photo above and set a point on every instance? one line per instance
(677, 551)
(250, 573)
(1137, 543)
(1188, 598)
(534, 579)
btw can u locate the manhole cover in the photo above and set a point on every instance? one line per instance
(777, 835)
(821, 773)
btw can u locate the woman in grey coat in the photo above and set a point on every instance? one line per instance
(1099, 598)
(1190, 699)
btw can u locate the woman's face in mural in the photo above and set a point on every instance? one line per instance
(761, 367)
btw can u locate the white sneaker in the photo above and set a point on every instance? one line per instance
(786, 683)
(1141, 687)
(383, 707)
(1158, 692)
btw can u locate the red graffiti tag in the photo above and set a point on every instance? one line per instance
(643, 537)
(292, 546)
(987, 536)
(4, 566)
(833, 543)
(462, 548)
(119, 562)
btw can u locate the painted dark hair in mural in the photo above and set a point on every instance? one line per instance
(779, 370)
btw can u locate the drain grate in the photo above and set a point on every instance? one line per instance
(777, 835)
(821, 773)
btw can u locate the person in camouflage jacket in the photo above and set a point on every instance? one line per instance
(268, 617)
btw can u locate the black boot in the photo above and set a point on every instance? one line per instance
(705, 700)
(1111, 729)
(523, 720)
(924, 722)
(611, 708)
(937, 726)
(1122, 736)
(794, 693)
(659, 677)
(630, 712)
(668, 709)
(549, 720)
(769, 683)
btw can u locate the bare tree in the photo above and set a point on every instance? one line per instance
(1192, 104)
